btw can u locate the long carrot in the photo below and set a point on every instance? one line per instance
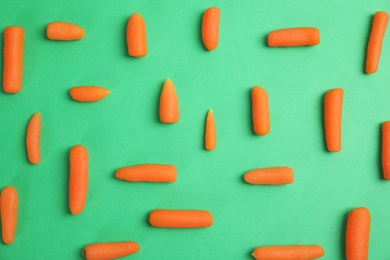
(33, 138)
(271, 176)
(333, 104)
(13, 59)
(110, 250)
(210, 28)
(165, 218)
(294, 37)
(169, 104)
(374, 47)
(293, 252)
(9, 214)
(78, 179)
(260, 111)
(136, 36)
(210, 137)
(147, 173)
(357, 234)
(62, 31)
(386, 150)
(88, 93)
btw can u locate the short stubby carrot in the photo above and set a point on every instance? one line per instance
(270, 176)
(88, 93)
(109, 250)
(33, 139)
(333, 104)
(386, 150)
(13, 59)
(165, 218)
(357, 234)
(169, 104)
(63, 31)
(210, 136)
(78, 178)
(136, 36)
(293, 252)
(147, 173)
(9, 214)
(374, 47)
(210, 28)
(294, 37)
(260, 111)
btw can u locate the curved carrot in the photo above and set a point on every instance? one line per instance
(294, 37)
(374, 47)
(271, 176)
(165, 218)
(33, 138)
(210, 137)
(88, 93)
(169, 104)
(386, 150)
(210, 28)
(357, 234)
(62, 31)
(9, 214)
(147, 173)
(136, 36)
(293, 252)
(333, 104)
(260, 111)
(13, 59)
(110, 250)
(78, 179)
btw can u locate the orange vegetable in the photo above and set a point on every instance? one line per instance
(332, 119)
(9, 213)
(78, 179)
(62, 31)
(147, 173)
(374, 47)
(210, 137)
(136, 36)
(294, 37)
(165, 218)
(88, 93)
(33, 138)
(293, 252)
(13, 59)
(210, 28)
(169, 104)
(271, 176)
(357, 234)
(386, 150)
(260, 112)
(111, 250)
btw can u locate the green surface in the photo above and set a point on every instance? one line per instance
(123, 129)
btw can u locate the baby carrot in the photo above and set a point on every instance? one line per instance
(293, 252)
(165, 218)
(294, 37)
(386, 150)
(136, 36)
(62, 31)
(13, 59)
(169, 104)
(374, 47)
(9, 214)
(271, 176)
(33, 138)
(210, 137)
(260, 112)
(88, 93)
(78, 178)
(357, 234)
(110, 250)
(210, 28)
(147, 173)
(332, 119)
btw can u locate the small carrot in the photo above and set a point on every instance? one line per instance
(136, 36)
(293, 252)
(9, 214)
(62, 31)
(165, 218)
(169, 104)
(210, 28)
(88, 93)
(260, 111)
(386, 150)
(374, 47)
(33, 138)
(294, 37)
(357, 234)
(147, 173)
(210, 137)
(271, 176)
(78, 178)
(110, 250)
(333, 104)
(13, 59)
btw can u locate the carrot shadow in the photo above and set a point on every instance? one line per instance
(343, 232)
(125, 50)
(250, 112)
(67, 168)
(379, 164)
(200, 31)
(322, 102)
(157, 102)
(369, 25)
(265, 40)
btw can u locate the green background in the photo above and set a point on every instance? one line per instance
(123, 129)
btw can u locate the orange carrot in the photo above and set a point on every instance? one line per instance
(210, 137)
(136, 36)
(62, 31)
(78, 179)
(374, 47)
(110, 250)
(210, 28)
(386, 150)
(332, 119)
(147, 173)
(13, 59)
(166, 218)
(88, 93)
(169, 104)
(33, 138)
(357, 234)
(9, 214)
(271, 176)
(260, 112)
(294, 37)
(293, 252)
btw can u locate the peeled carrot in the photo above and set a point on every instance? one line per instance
(293, 252)
(147, 173)
(110, 250)
(13, 59)
(136, 36)
(332, 119)
(260, 111)
(9, 214)
(271, 176)
(165, 218)
(62, 31)
(294, 37)
(33, 138)
(210, 137)
(374, 47)
(78, 179)
(386, 150)
(169, 104)
(357, 234)
(88, 93)
(210, 28)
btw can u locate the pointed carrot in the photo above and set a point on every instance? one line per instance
(357, 234)
(147, 173)
(78, 178)
(260, 111)
(332, 119)
(386, 150)
(88, 93)
(63, 31)
(271, 176)
(136, 36)
(293, 252)
(210, 28)
(294, 37)
(9, 214)
(169, 104)
(165, 218)
(210, 137)
(109, 250)
(33, 138)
